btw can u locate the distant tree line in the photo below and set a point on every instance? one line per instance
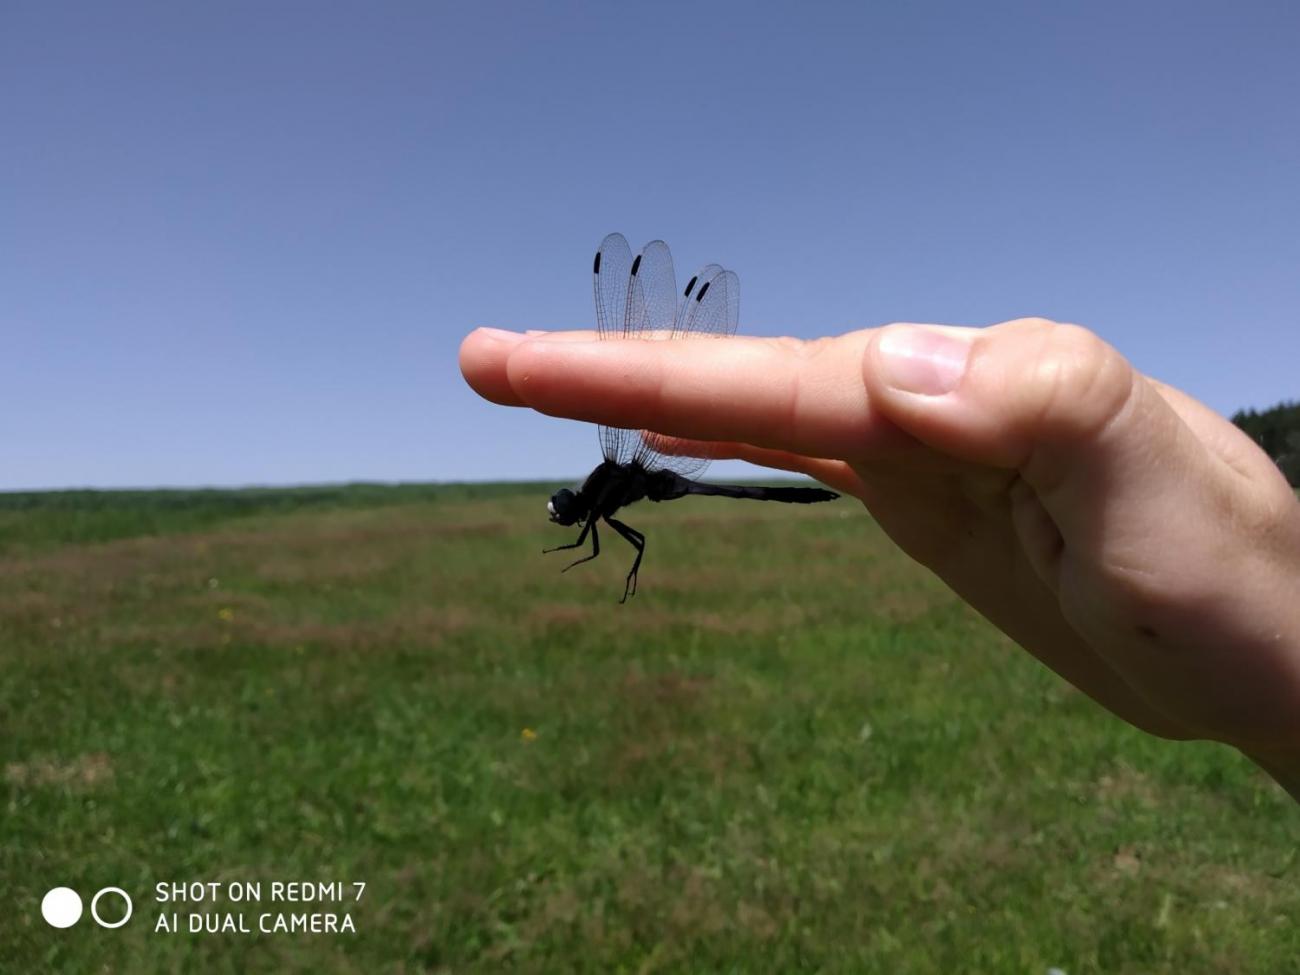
(1277, 430)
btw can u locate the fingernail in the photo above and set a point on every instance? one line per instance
(500, 333)
(922, 360)
(537, 331)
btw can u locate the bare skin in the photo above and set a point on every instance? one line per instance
(1126, 535)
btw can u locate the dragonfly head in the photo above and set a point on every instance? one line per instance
(564, 507)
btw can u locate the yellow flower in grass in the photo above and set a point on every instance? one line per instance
(528, 734)
(225, 614)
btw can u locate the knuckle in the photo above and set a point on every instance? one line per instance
(799, 348)
(1033, 323)
(783, 384)
(1080, 382)
(1270, 517)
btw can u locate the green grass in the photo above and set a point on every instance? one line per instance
(33, 520)
(793, 751)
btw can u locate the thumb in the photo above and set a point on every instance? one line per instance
(1088, 433)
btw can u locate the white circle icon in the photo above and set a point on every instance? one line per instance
(61, 907)
(94, 904)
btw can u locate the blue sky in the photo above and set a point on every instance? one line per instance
(240, 243)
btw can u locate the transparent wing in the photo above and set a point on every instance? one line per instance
(647, 287)
(651, 293)
(637, 298)
(692, 290)
(610, 278)
(710, 307)
(611, 274)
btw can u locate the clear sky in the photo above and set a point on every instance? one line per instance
(240, 242)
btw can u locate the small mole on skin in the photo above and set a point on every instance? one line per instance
(1148, 632)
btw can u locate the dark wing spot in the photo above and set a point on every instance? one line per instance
(636, 265)
(595, 268)
(700, 296)
(689, 286)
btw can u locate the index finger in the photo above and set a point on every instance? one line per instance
(483, 355)
(807, 397)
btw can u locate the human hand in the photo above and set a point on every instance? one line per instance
(1126, 535)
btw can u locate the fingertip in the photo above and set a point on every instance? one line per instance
(485, 342)
(533, 362)
(482, 358)
(490, 334)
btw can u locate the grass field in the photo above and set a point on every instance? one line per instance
(793, 751)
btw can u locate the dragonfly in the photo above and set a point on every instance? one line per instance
(636, 297)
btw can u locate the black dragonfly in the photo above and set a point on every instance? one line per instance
(637, 298)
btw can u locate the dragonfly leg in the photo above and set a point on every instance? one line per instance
(637, 541)
(595, 547)
(582, 537)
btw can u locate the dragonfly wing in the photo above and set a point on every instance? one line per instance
(710, 307)
(611, 276)
(651, 294)
(692, 289)
(637, 298)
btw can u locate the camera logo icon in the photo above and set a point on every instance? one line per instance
(61, 907)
